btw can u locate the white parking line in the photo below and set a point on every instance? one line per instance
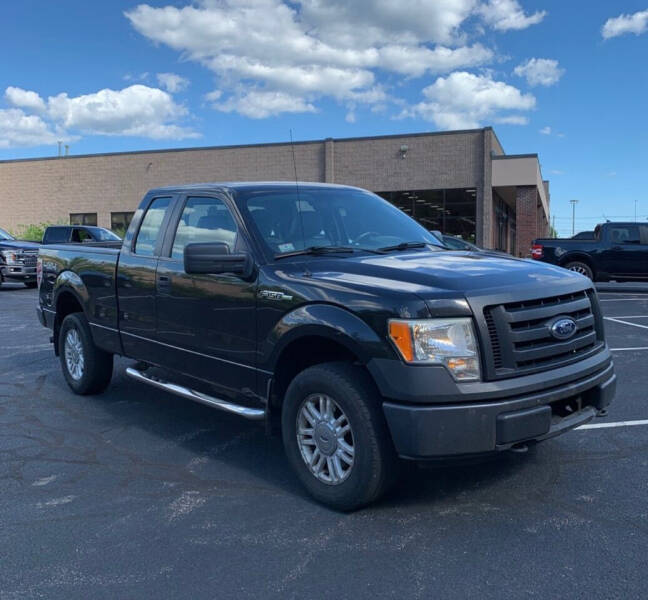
(630, 317)
(617, 424)
(626, 322)
(620, 349)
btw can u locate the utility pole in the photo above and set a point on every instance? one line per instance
(573, 203)
(635, 210)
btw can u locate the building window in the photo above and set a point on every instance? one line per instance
(451, 211)
(83, 219)
(119, 222)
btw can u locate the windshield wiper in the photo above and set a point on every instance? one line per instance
(327, 250)
(315, 250)
(404, 246)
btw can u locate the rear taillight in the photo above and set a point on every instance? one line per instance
(536, 251)
(39, 271)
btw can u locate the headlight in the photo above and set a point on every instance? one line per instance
(9, 256)
(448, 342)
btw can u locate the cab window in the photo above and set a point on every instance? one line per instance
(204, 220)
(150, 229)
(624, 234)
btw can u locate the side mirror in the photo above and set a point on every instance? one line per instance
(215, 259)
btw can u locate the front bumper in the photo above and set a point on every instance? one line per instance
(17, 272)
(521, 410)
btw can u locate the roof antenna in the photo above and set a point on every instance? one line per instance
(301, 221)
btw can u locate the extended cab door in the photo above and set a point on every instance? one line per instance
(626, 252)
(207, 321)
(136, 281)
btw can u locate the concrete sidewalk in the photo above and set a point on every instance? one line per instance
(624, 287)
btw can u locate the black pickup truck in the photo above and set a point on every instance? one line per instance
(614, 251)
(17, 260)
(327, 312)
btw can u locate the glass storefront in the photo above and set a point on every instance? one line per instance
(451, 211)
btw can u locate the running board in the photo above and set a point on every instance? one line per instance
(255, 414)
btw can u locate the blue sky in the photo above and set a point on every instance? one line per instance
(568, 80)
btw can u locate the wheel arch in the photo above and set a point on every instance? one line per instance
(578, 257)
(70, 295)
(316, 334)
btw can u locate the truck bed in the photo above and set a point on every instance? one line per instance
(89, 268)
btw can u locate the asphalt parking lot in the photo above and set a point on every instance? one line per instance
(136, 493)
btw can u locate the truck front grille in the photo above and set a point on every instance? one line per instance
(27, 257)
(521, 341)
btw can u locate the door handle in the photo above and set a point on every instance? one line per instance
(163, 282)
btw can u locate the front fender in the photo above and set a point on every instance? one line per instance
(323, 320)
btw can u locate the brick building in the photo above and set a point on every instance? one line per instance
(458, 182)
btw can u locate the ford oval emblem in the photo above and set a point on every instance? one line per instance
(563, 328)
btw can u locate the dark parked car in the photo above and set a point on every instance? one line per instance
(617, 251)
(17, 260)
(327, 312)
(59, 234)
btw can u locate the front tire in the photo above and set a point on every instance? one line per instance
(580, 267)
(335, 436)
(31, 284)
(86, 368)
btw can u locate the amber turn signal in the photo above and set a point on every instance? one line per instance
(401, 335)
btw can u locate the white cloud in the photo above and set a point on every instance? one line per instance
(418, 60)
(24, 99)
(137, 110)
(511, 120)
(463, 101)
(540, 71)
(259, 104)
(508, 14)
(172, 82)
(312, 49)
(20, 129)
(636, 23)
(546, 130)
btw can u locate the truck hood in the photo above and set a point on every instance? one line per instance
(18, 245)
(448, 273)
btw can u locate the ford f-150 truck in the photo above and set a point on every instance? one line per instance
(327, 312)
(17, 260)
(615, 251)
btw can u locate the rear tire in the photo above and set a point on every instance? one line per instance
(86, 368)
(580, 267)
(349, 469)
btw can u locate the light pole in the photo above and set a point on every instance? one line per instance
(635, 210)
(573, 203)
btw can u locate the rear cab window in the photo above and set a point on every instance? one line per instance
(57, 235)
(150, 231)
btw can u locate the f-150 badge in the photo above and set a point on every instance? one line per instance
(270, 295)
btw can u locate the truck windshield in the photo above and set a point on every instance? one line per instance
(289, 220)
(5, 235)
